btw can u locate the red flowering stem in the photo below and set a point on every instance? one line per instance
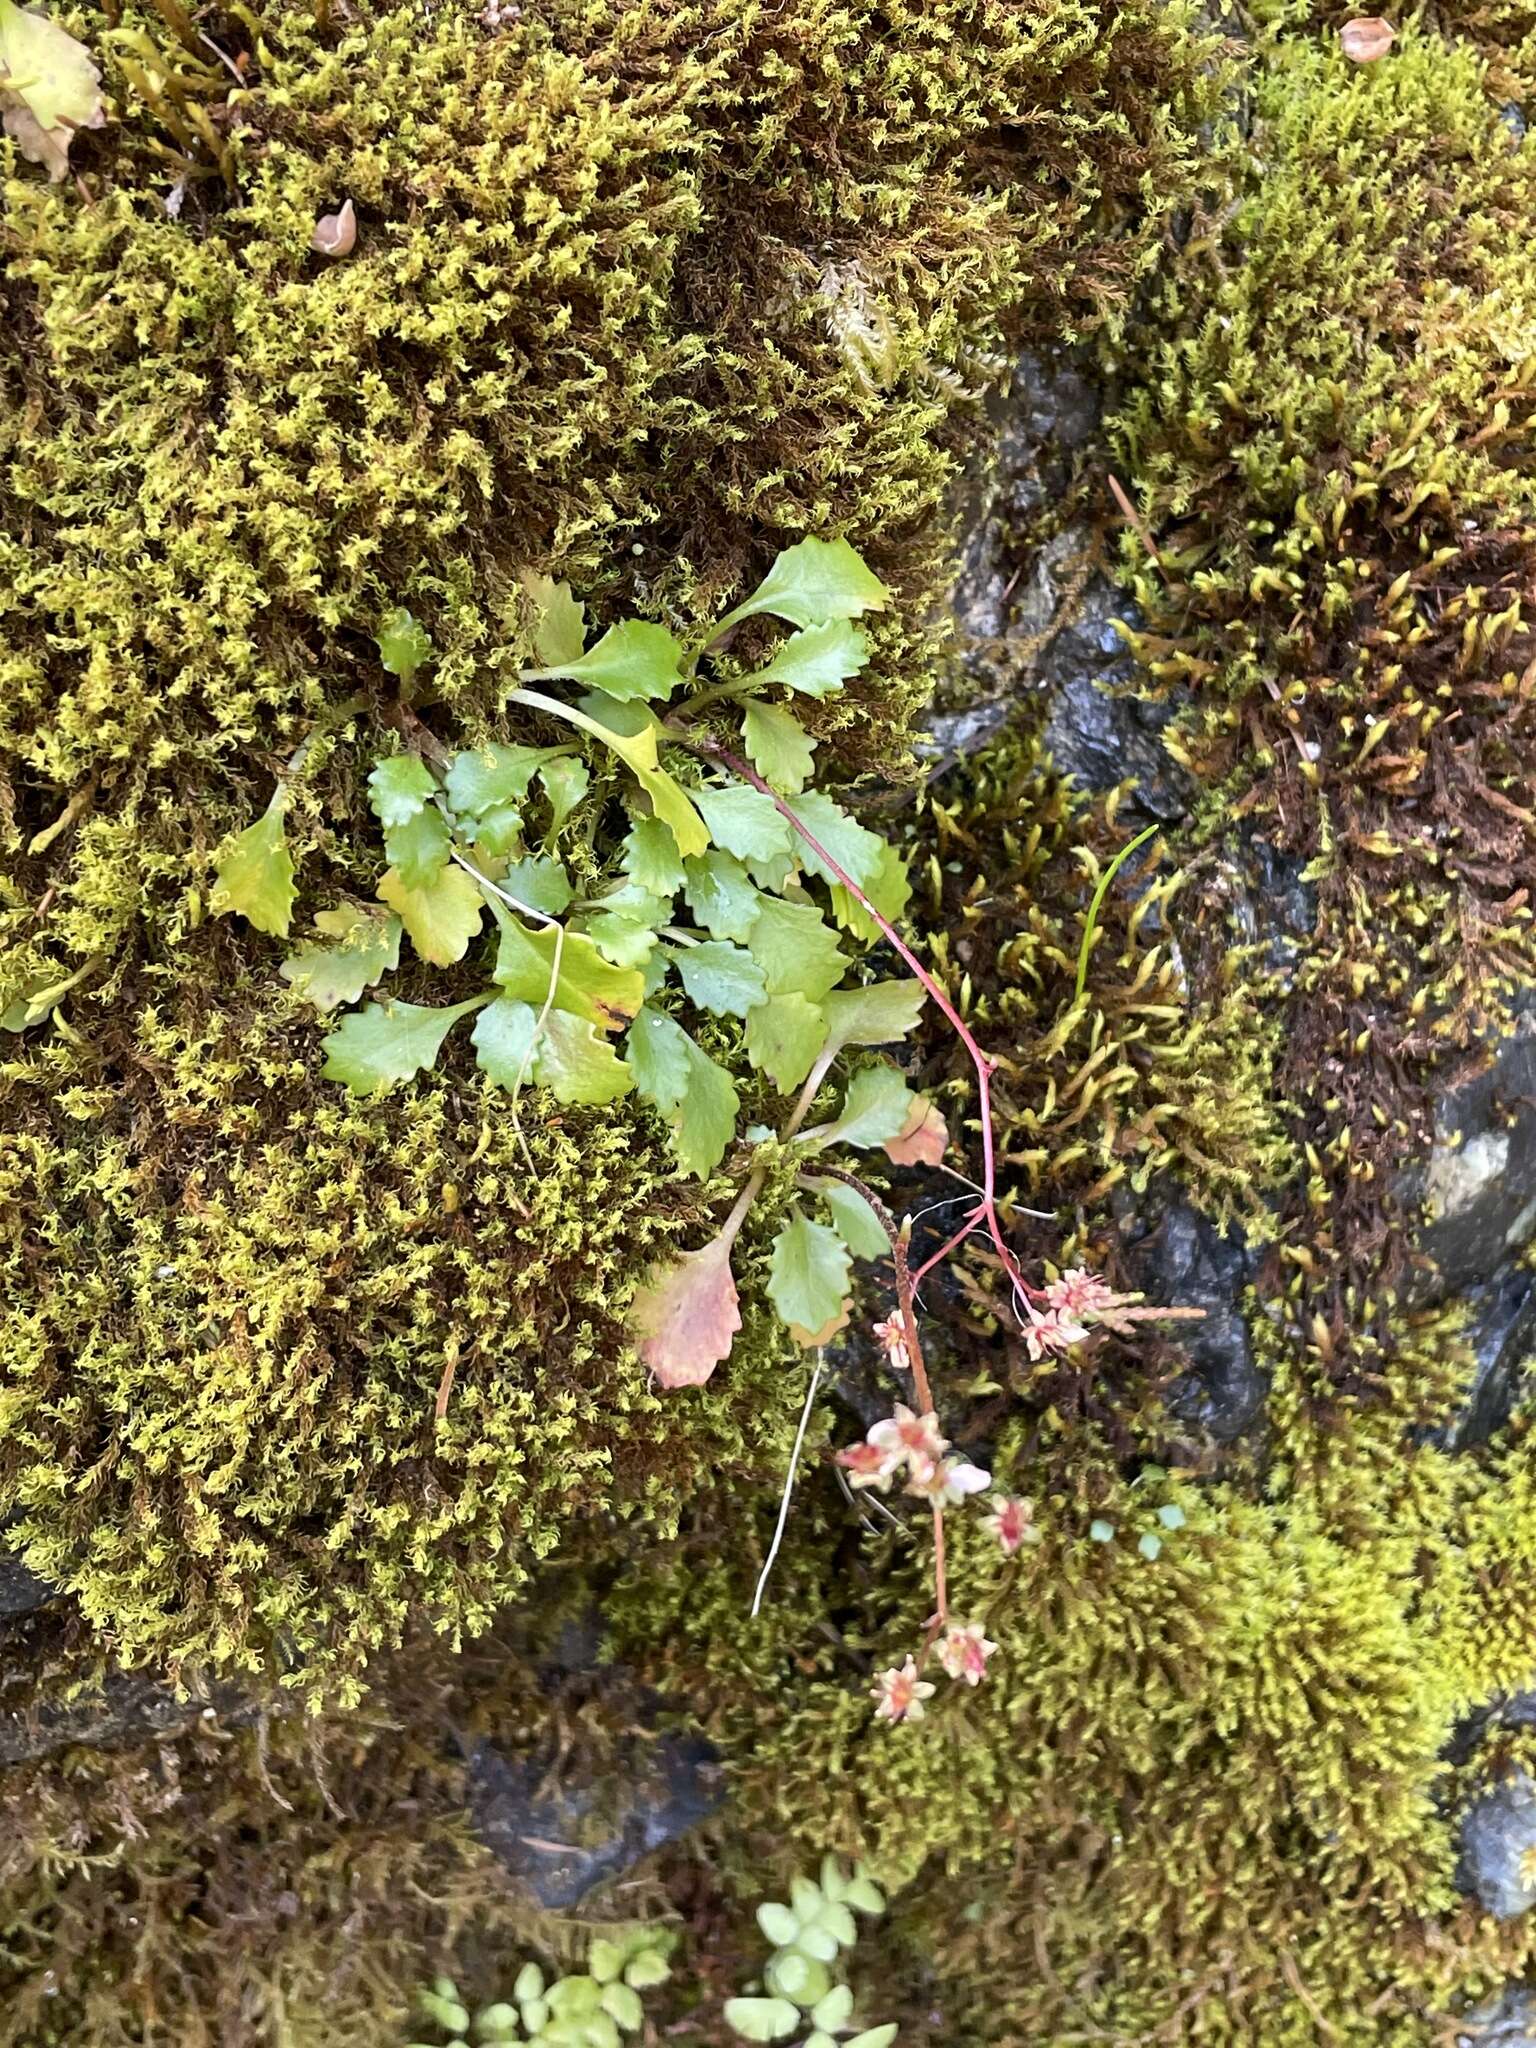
(978, 1059)
(945, 1249)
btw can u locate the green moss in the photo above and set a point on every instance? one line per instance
(639, 293)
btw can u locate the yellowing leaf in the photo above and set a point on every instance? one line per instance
(387, 1042)
(49, 87)
(588, 985)
(367, 947)
(440, 919)
(255, 874)
(685, 1317)
(808, 1279)
(576, 1064)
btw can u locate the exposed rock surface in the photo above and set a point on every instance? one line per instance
(1498, 1835)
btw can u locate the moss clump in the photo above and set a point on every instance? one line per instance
(639, 293)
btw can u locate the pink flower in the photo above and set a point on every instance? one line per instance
(892, 1338)
(948, 1481)
(1012, 1522)
(964, 1652)
(905, 1435)
(1079, 1293)
(899, 1694)
(1051, 1331)
(867, 1465)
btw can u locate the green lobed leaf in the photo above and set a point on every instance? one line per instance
(440, 919)
(495, 833)
(398, 787)
(541, 883)
(779, 747)
(721, 895)
(854, 1220)
(812, 581)
(697, 1097)
(484, 778)
(560, 629)
(254, 877)
(632, 660)
(887, 889)
(646, 1969)
(835, 2010)
(796, 949)
(383, 1043)
(808, 1283)
(853, 846)
(566, 781)
(777, 1922)
(744, 822)
(588, 985)
(784, 1037)
(720, 977)
(367, 948)
(875, 1108)
(637, 749)
(49, 87)
(403, 644)
(762, 2019)
(874, 2037)
(817, 661)
(651, 859)
(623, 2007)
(800, 1977)
(879, 1014)
(418, 848)
(503, 1042)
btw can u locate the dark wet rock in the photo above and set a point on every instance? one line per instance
(124, 1710)
(564, 1835)
(1502, 1335)
(1497, 1835)
(21, 1590)
(1508, 2020)
(1180, 1256)
(1097, 733)
(1512, 114)
(1480, 1178)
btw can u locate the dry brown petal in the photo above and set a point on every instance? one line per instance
(922, 1139)
(335, 233)
(1366, 39)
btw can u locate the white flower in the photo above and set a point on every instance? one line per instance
(906, 1435)
(892, 1338)
(1050, 1331)
(899, 1693)
(948, 1481)
(1012, 1522)
(964, 1652)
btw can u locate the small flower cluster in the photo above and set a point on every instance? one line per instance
(909, 1444)
(962, 1651)
(1073, 1303)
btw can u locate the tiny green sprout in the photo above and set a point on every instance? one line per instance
(1101, 1531)
(1150, 1545)
(403, 644)
(808, 1934)
(1172, 1516)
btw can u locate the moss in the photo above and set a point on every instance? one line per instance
(639, 293)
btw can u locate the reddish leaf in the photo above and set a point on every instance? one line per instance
(685, 1315)
(922, 1139)
(1366, 39)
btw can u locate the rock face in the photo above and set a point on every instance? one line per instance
(1182, 1257)
(566, 1836)
(1498, 1835)
(1480, 1179)
(1508, 2021)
